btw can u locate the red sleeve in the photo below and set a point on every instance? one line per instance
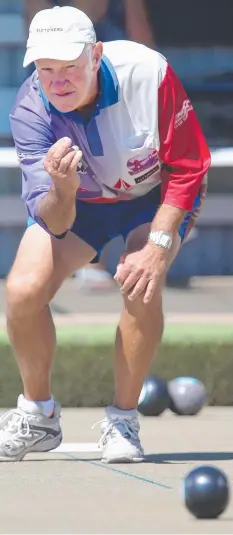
(183, 147)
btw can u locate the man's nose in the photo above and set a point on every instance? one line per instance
(60, 83)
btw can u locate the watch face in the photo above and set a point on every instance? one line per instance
(164, 240)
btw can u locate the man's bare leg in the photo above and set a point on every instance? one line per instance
(42, 263)
(137, 340)
(138, 335)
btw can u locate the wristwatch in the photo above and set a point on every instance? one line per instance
(160, 238)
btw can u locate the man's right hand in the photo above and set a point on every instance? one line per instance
(61, 164)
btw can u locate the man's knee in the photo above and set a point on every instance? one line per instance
(25, 295)
(146, 312)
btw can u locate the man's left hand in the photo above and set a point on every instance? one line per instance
(141, 272)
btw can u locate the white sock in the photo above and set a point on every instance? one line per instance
(121, 413)
(45, 407)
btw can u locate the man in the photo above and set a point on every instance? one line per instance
(109, 145)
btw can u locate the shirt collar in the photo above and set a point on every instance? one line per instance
(109, 85)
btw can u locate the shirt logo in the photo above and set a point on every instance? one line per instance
(121, 184)
(136, 165)
(152, 171)
(182, 115)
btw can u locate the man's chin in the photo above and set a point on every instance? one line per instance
(64, 106)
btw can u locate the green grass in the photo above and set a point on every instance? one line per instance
(104, 334)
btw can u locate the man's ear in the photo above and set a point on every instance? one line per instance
(97, 54)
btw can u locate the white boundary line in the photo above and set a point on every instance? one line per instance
(77, 447)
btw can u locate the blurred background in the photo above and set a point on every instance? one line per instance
(197, 39)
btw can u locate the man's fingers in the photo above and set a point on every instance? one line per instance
(59, 149)
(76, 159)
(66, 161)
(122, 272)
(139, 288)
(149, 291)
(120, 265)
(69, 161)
(129, 283)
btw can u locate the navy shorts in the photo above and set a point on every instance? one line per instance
(98, 223)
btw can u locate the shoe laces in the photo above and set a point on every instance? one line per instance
(118, 427)
(16, 426)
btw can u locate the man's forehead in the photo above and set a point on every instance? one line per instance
(56, 63)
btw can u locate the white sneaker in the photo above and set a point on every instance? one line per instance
(120, 441)
(22, 432)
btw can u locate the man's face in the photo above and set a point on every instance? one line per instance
(71, 85)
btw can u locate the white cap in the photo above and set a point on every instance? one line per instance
(58, 33)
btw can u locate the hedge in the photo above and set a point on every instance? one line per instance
(83, 369)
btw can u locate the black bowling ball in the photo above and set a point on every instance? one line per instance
(154, 397)
(206, 492)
